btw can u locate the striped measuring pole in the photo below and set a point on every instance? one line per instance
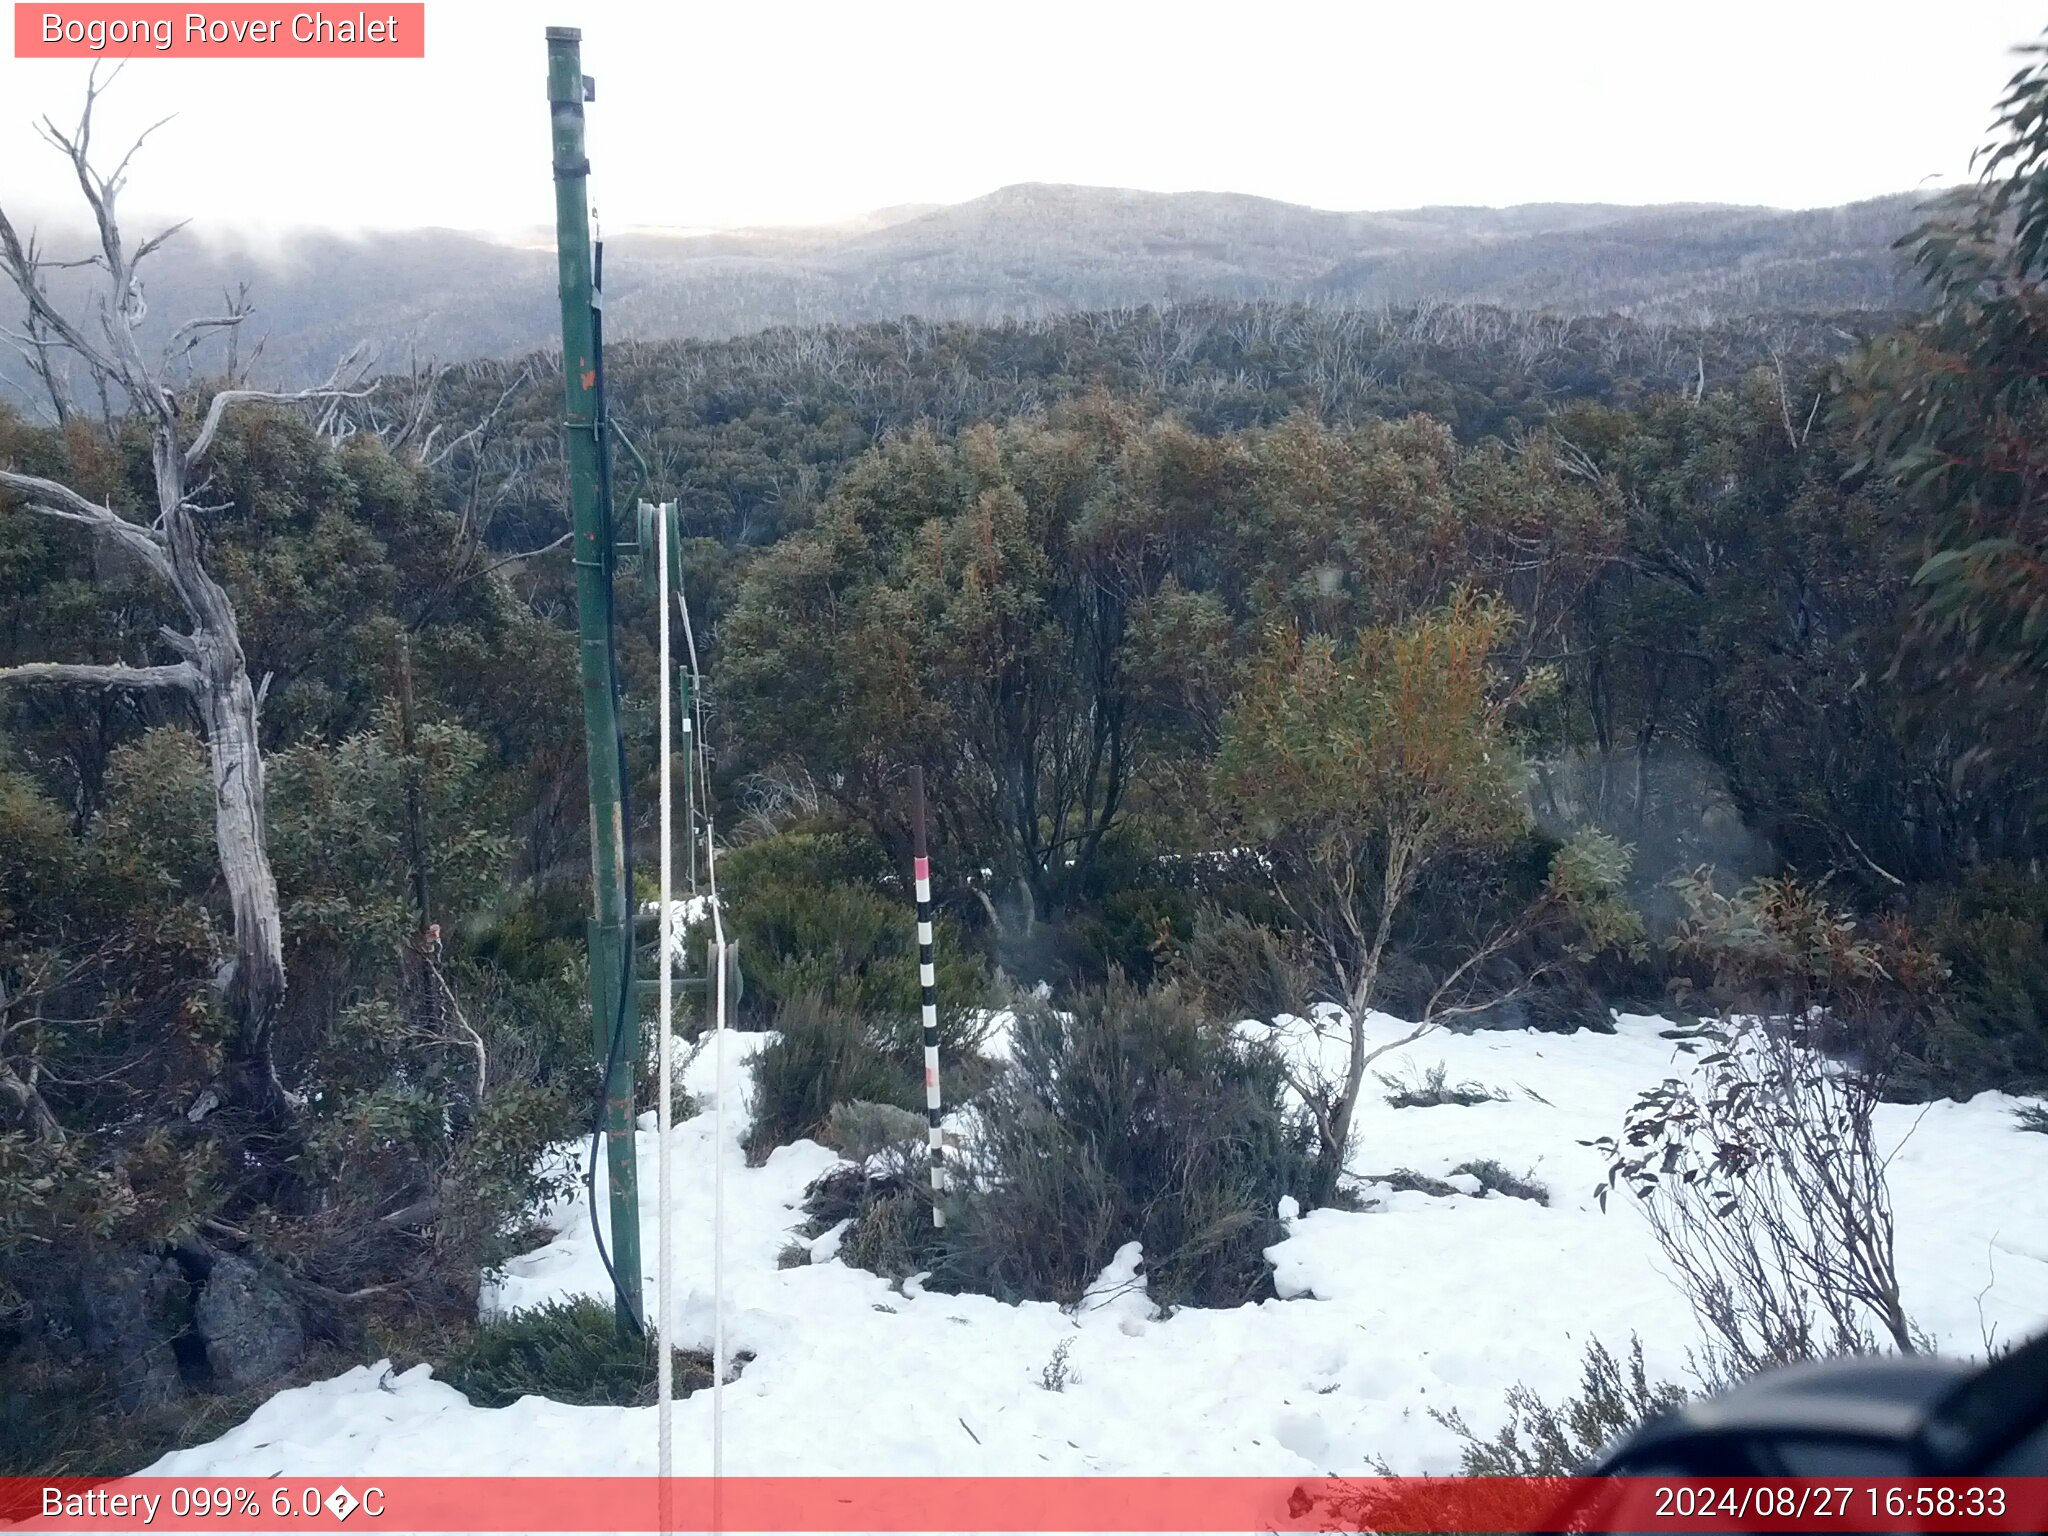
(928, 985)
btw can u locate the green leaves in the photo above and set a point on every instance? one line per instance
(337, 833)
(1588, 877)
(1400, 737)
(155, 838)
(810, 922)
(950, 608)
(1955, 411)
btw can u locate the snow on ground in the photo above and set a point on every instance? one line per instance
(1422, 1303)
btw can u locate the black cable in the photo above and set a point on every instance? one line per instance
(601, 427)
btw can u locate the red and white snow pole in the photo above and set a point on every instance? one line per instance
(928, 985)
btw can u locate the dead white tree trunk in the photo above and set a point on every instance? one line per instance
(211, 669)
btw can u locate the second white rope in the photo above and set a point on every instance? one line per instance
(664, 1264)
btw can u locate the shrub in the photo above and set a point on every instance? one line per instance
(839, 1194)
(1494, 1176)
(1058, 1375)
(1578, 999)
(66, 1418)
(893, 1235)
(569, 1351)
(794, 1254)
(810, 920)
(1539, 1440)
(823, 1057)
(1134, 914)
(861, 1129)
(1237, 968)
(1433, 1090)
(1991, 928)
(498, 1183)
(1138, 1118)
(1761, 1175)
(539, 936)
(1407, 1180)
(1491, 1175)
(810, 853)
(888, 1210)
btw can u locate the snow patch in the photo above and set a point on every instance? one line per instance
(1416, 1303)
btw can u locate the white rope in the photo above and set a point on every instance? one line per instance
(717, 1189)
(664, 1265)
(720, 953)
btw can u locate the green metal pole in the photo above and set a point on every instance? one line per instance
(610, 937)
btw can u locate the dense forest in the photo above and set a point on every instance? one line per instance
(1431, 659)
(1025, 253)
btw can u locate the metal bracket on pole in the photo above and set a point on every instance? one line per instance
(644, 547)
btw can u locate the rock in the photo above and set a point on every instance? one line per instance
(250, 1325)
(128, 1313)
(860, 1129)
(1509, 1013)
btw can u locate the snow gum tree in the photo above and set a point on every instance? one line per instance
(1360, 768)
(209, 669)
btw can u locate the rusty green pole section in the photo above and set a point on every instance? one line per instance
(610, 949)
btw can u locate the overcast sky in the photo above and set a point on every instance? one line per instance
(753, 111)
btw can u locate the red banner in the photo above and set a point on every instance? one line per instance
(226, 31)
(1020, 1504)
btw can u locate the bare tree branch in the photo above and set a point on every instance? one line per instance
(331, 390)
(53, 499)
(185, 645)
(189, 335)
(524, 554)
(162, 237)
(178, 674)
(22, 266)
(33, 1104)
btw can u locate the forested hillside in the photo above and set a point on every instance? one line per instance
(749, 434)
(1033, 251)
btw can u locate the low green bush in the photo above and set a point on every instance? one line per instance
(1242, 969)
(1542, 1440)
(1495, 1177)
(813, 917)
(860, 1129)
(823, 1057)
(1991, 927)
(1136, 1117)
(893, 1235)
(888, 1211)
(568, 1351)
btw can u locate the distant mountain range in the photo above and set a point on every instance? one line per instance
(1032, 249)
